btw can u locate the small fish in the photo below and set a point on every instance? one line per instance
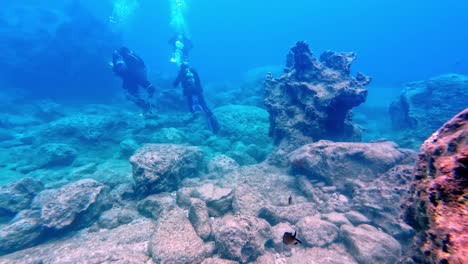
(290, 238)
(290, 201)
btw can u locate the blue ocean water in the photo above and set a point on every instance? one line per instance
(66, 115)
(396, 41)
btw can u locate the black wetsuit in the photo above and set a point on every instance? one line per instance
(132, 70)
(193, 91)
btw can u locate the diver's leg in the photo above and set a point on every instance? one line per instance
(213, 123)
(190, 102)
(202, 103)
(132, 95)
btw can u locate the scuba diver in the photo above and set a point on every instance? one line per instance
(182, 46)
(131, 68)
(193, 91)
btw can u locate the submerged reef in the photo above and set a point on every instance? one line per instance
(424, 106)
(103, 183)
(314, 98)
(437, 208)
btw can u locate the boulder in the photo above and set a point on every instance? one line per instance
(247, 124)
(175, 240)
(315, 232)
(156, 205)
(115, 217)
(222, 165)
(291, 213)
(348, 166)
(247, 201)
(88, 128)
(333, 254)
(75, 205)
(124, 244)
(18, 195)
(337, 219)
(23, 231)
(313, 100)
(369, 245)
(218, 199)
(161, 167)
(169, 135)
(128, 147)
(424, 106)
(52, 155)
(357, 218)
(437, 204)
(198, 216)
(241, 238)
(380, 200)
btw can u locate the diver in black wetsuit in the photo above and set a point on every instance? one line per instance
(131, 68)
(193, 91)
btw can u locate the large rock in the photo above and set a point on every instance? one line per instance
(370, 245)
(222, 165)
(161, 167)
(333, 254)
(380, 200)
(218, 200)
(89, 128)
(424, 106)
(156, 205)
(126, 244)
(51, 155)
(175, 240)
(315, 232)
(312, 101)
(290, 213)
(75, 205)
(348, 166)
(23, 231)
(241, 238)
(248, 124)
(437, 207)
(198, 216)
(17, 196)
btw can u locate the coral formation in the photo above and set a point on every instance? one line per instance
(313, 100)
(424, 106)
(437, 207)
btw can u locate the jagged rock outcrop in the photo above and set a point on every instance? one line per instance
(17, 196)
(347, 166)
(424, 106)
(75, 205)
(161, 167)
(438, 205)
(312, 101)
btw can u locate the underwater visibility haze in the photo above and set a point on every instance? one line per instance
(223, 132)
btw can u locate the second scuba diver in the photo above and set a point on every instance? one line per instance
(131, 68)
(193, 91)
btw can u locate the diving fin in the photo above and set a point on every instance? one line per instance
(213, 124)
